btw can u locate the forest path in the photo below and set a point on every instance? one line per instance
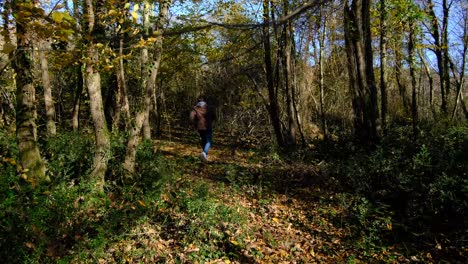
(292, 221)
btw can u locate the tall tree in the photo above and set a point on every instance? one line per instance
(143, 112)
(272, 95)
(48, 98)
(288, 75)
(383, 64)
(26, 129)
(93, 83)
(360, 67)
(412, 69)
(440, 48)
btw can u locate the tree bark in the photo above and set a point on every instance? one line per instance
(93, 83)
(273, 104)
(26, 115)
(361, 72)
(383, 65)
(134, 139)
(414, 92)
(144, 65)
(321, 29)
(287, 75)
(123, 107)
(77, 99)
(427, 69)
(438, 50)
(48, 98)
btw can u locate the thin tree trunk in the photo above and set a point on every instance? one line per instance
(287, 75)
(414, 92)
(427, 69)
(26, 115)
(461, 80)
(79, 73)
(93, 83)
(273, 104)
(438, 50)
(383, 65)
(398, 76)
(77, 100)
(144, 64)
(123, 107)
(321, 29)
(445, 47)
(48, 98)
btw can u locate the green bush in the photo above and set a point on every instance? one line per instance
(424, 181)
(69, 156)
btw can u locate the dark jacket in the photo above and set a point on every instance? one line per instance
(202, 116)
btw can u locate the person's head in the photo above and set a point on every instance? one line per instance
(201, 99)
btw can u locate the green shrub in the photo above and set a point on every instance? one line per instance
(424, 181)
(69, 156)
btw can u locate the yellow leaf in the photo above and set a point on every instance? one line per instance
(235, 243)
(127, 6)
(389, 226)
(275, 219)
(8, 47)
(30, 245)
(99, 45)
(57, 17)
(24, 176)
(312, 252)
(134, 15)
(24, 14)
(113, 12)
(141, 203)
(136, 7)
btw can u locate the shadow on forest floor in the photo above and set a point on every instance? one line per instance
(293, 204)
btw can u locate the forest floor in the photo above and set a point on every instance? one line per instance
(246, 205)
(283, 215)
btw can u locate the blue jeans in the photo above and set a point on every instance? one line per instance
(206, 139)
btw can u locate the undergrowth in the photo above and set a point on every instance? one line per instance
(404, 197)
(417, 189)
(66, 222)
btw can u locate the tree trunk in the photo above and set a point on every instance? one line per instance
(414, 92)
(93, 83)
(48, 98)
(321, 29)
(460, 81)
(134, 139)
(273, 104)
(361, 72)
(398, 76)
(77, 99)
(287, 75)
(144, 65)
(438, 50)
(123, 107)
(383, 65)
(427, 69)
(26, 130)
(445, 47)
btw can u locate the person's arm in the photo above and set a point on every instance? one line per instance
(193, 116)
